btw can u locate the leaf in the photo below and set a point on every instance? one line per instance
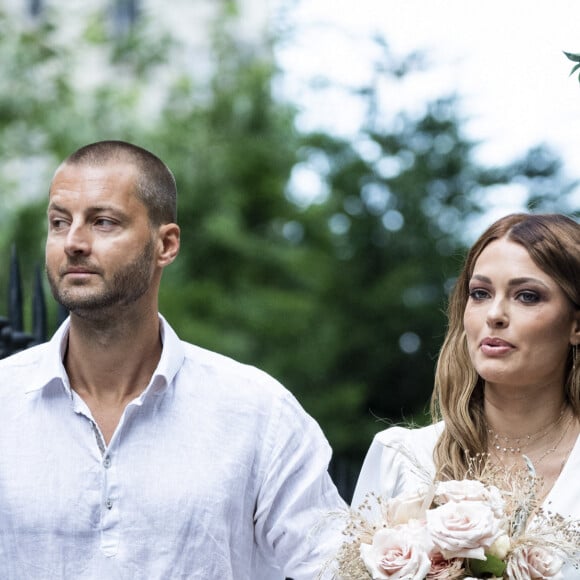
(491, 565)
(573, 56)
(576, 67)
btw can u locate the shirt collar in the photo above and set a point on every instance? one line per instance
(172, 357)
(50, 367)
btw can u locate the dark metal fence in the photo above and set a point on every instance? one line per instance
(344, 473)
(13, 338)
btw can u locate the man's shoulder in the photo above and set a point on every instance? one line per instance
(24, 358)
(222, 367)
(201, 361)
(231, 385)
(21, 370)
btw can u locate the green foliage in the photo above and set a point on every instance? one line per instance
(398, 244)
(574, 57)
(491, 567)
(64, 89)
(340, 299)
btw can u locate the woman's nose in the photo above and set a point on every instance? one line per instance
(497, 314)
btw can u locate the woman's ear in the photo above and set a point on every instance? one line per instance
(575, 333)
(168, 244)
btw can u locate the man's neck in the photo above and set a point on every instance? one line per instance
(112, 362)
(110, 365)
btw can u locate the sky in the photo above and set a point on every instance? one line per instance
(504, 58)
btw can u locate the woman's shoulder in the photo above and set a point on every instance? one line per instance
(399, 459)
(412, 437)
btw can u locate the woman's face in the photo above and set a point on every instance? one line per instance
(518, 321)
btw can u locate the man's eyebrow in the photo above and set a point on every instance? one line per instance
(55, 207)
(105, 208)
(90, 210)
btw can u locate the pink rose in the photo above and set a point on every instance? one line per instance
(410, 506)
(399, 552)
(442, 569)
(470, 490)
(533, 563)
(463, 530)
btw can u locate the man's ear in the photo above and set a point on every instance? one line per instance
(168, 244)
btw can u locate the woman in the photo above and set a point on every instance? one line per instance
(507, 381)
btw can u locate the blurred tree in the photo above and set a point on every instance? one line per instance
(394, 220)
(341, 297)
(394, 225)
(63, 89)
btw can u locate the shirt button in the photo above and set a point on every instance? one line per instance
(108, 504)
(107, 462)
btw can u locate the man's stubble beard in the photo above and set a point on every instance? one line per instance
(125, 287)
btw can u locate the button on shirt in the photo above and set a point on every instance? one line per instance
(214, 472)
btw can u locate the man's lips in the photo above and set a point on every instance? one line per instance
(495, 346)
(77, 271)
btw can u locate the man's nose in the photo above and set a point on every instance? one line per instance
(77, 240)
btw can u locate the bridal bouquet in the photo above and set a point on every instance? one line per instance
(458, 529)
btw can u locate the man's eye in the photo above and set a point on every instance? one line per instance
(57, 223)
(104, 222)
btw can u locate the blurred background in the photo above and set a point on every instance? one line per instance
(333, 158)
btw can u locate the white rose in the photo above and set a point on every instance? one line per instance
(470, 490)
(409, 506)
(460, 490)
(463, 530)
(534, 562)
(399, 552)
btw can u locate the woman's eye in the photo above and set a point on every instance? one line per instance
(478, 294)
(527, 296)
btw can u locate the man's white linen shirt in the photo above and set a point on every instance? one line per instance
(214, 472)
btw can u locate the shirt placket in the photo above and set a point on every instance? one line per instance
(110, 515)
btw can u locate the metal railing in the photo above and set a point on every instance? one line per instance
(13, 338)
(344, 472)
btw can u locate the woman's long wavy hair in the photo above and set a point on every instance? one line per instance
(553, 243)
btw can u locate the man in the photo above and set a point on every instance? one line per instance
(127, 453)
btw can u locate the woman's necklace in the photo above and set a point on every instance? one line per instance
(549, 478)
(556, 444)
(505, 444)
(550, 443)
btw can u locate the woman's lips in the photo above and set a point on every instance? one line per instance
(495, 346)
